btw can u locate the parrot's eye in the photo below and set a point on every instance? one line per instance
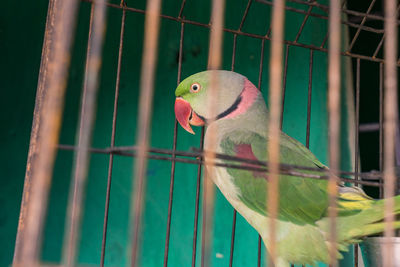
(195, 87)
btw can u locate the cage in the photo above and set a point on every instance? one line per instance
(111, 178)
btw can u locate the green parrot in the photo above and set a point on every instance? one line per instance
(241, 119)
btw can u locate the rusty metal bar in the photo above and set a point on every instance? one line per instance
(246, 12)
(152, 24)
(303, 24)
(310, 71)
(33, 148)
(357, 122)
(232, 69)
(284, 84)
(181, 9)
(175, 140)
(233, 231)
(214, 63)
(364, 19)
(261, 67)
(197, 203)
(381, 126)
(379, 46)
(60, 27)
(112, 142)
(87, 117)
(327, 34)
(334, 122)
(275, 90)
(288, 169)
(390, 122)
(356, 142)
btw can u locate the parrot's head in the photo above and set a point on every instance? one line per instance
(234, 94)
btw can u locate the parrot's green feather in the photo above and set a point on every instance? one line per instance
(309, 195)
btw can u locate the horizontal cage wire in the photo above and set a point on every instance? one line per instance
(356, 23)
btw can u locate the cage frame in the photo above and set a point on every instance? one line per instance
(49, 91)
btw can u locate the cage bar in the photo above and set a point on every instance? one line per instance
(232, 69)
(356, 139)
(310, 71)
(197, 203)
(214, 63)
(84, 132)
(390, 122)
(381, 189)
(143, 152)
(152, 24)
(364, 19)
(334, 121)
(112, 141)
(261, 67)
(275, 86)
(59, 32)
(171, 187)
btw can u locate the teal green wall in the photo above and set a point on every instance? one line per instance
(19, 63)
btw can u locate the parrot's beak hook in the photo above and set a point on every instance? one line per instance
(185, 115)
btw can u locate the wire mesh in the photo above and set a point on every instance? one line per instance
(338, 15)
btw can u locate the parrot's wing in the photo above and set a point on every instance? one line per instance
(301, 201)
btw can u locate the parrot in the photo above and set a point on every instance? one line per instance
(240, 120)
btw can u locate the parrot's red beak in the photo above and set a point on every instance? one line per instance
(185, 115)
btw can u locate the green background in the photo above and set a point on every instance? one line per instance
(21, 36)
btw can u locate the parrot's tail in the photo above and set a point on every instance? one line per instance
(359, 216)
(367, 219)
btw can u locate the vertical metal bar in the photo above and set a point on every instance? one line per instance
(259, 88)
(233, 68)
(197, 203)
(214, 63)
(152, 24)
(309, 98)
(60, 27)
(382, 39)
(356, 142)
(390, 121)
(87, 117)
(112, 142)
(275, 86)
(357, 126)
(327, 34)
(259, 245)
(261, 64)
(381, 127)
(33, 147)
(334, 121)
(171, 185)
(234, 211)
(232, 238)
(284, 84)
